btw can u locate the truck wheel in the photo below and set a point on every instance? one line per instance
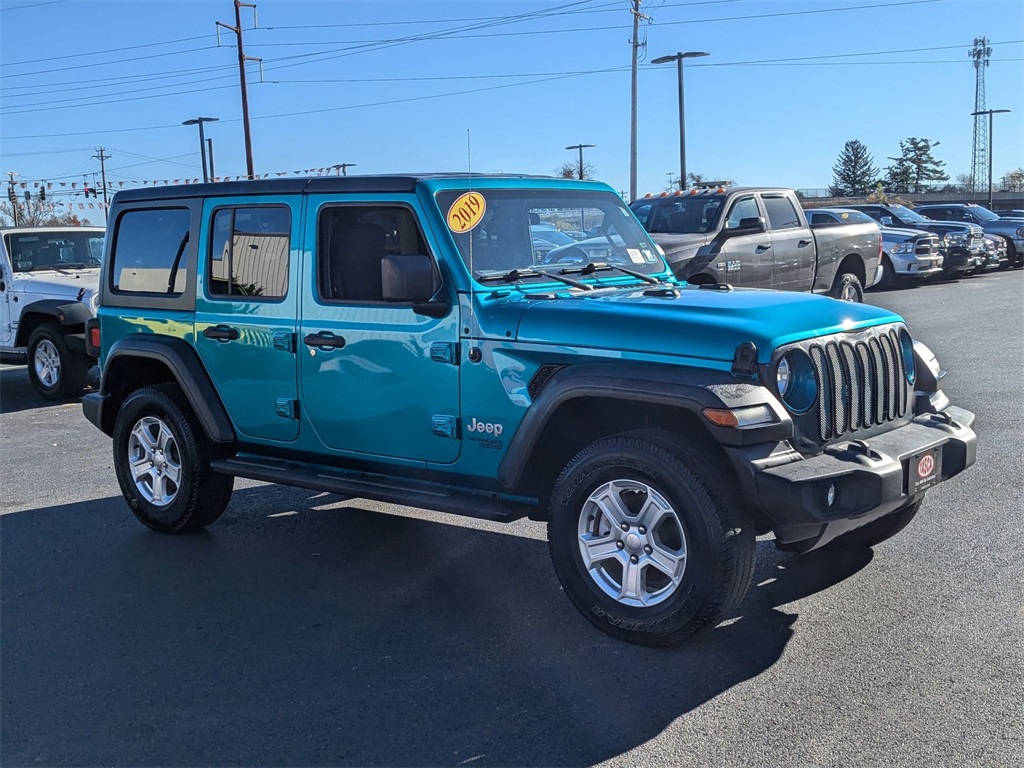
(875, 532)
(847, 288)
(644, 542)
(55, 371)
(162, 461)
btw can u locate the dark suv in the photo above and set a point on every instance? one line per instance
(398, 338)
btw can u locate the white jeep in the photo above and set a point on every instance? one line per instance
(49, 278)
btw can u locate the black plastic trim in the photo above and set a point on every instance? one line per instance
(184, 364)
(690, 389)
(390, 489)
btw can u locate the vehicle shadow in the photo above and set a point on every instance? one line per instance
(17, 393)
(306, 636)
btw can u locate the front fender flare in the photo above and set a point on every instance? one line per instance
(67, 313)
(687, 388)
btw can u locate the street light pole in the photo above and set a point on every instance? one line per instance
(989, 112)
(581, 147)
(202, 139)
(678, 59)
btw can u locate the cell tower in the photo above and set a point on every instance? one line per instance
(979, 54)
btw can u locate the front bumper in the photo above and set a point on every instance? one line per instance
(870, 478)
(911, 265)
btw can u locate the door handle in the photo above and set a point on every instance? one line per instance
(324, 340)
(221, 333)
(762, 248)
(804, 243)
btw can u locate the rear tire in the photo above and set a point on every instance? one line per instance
(876, 532)
(645, 541)
(56, 372)
(162, 460)
(847, 288)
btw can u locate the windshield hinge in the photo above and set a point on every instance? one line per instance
(744, 361)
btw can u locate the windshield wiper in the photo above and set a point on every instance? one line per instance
(594, 266)
(518, 274)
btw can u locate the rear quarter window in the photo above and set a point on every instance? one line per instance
(150, 252)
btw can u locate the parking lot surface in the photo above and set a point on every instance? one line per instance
(306, 630)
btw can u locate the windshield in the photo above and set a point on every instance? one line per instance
(908, 215)
(984, 214)
(684, 215)
(55, 249)
(517, 231)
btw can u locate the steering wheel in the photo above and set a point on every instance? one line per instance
(572, 254)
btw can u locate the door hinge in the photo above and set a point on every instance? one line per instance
(444, 352)
(287, 408)
(445, 426)
(284, 340)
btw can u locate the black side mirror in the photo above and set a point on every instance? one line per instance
(747, 226)
(412, 279)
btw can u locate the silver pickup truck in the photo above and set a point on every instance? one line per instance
(758, 237)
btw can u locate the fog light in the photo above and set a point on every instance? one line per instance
(831, 494)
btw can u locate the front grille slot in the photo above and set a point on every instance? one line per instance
(860, 383)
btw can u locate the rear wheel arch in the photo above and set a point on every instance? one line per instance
(139, 361)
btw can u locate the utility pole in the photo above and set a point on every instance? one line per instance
(637, 17)
(242, 58)
(209, 147)
(581, 147)
(979, 56)
(13, 196)
(103, 173)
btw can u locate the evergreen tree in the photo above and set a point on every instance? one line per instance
(915, 166)
(854, 172)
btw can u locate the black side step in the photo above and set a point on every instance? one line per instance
(378, 488)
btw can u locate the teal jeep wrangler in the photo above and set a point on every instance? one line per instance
(407, 339)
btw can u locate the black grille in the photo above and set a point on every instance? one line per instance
(540, 378)
(860, 383)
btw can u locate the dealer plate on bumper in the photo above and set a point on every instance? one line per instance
(924, 470)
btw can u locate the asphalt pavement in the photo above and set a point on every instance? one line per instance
(306, 630)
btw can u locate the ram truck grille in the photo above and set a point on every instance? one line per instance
(861, 382)
(927, 246)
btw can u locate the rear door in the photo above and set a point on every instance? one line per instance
(378, 379)
(792, 243)
(246, 311)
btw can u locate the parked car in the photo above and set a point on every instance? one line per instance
(962, 245)
(996, 254)
(907, 254)
(545, 238)
(758, 237)
(1011, 230)
(1015, 213)
(48, 289)
(413, 352)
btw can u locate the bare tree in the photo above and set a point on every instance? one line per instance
(569, 170)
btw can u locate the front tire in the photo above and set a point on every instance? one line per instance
(162, 461)
(56, 372)
(847, 288)
(645, 542)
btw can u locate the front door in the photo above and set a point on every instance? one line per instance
(246, 311)
(378, 379)
(745, 260)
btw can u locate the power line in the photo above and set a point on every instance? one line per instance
(32, 5)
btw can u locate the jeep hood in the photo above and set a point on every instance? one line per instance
(699, 323)
(50, 284)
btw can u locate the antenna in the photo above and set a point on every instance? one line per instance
(472, 279)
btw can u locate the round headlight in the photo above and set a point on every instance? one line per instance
(782, 377)
(907, 347)
(796, 382)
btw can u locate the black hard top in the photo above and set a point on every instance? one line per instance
(298, 185)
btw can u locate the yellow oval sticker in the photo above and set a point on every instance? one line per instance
(466, 212)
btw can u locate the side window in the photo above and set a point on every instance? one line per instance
(643, 213)
(744, 208)
(351, 243)
(781, 213)
(822, 220)
(249, 251)
(150, 253)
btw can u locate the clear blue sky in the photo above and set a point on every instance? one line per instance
(344, 83)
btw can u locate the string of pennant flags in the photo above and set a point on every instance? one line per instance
(74, 185)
